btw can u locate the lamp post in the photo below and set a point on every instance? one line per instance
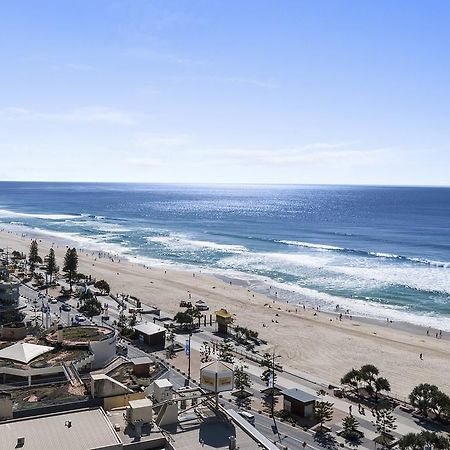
(188, 352)
(273, 381)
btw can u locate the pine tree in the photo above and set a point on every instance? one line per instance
(33, 257)
(241, 378)
(226, 351)
(323, 412)
(205, 352)
(70, 265)
(350, 426)
(385, 421)
(51, 268)
(269, 373)
(170, 339)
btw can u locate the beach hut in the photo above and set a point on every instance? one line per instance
(298, 402)
(151, 334)
(223, 319)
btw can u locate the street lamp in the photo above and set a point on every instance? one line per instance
(188, 353)
(273, 381)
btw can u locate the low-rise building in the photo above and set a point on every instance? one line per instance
(298, 402)
(151, 334)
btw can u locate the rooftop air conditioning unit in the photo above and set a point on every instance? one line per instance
(20, 441)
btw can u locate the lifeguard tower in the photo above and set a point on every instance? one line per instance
(223, 319)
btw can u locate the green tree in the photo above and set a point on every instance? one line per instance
(269, 373)
(429, 399)
(350, 426)
(366, 378)
(103, 286)
(132, 320)
(380, 384)
(183, 318)
(186, 317)
(91, 307)
(51, 268)
(417, 441)
(225, 350)
(385, 421)
(33, 257)
(205, 352)
(323, 412)
(170, 342)
(352, 380)
(241, 378)
(70, 265)
(17, 255)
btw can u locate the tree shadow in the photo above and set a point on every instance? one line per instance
(326, 440)
(354, 440)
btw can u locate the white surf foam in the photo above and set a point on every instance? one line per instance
(6, 213)
(181, 242)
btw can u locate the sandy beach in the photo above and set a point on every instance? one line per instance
(309, 341)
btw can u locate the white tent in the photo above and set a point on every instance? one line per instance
(23, 352)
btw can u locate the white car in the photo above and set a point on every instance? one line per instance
(80, 318)
(52, 300)
(250, 418)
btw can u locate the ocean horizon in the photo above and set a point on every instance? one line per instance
(381, 252)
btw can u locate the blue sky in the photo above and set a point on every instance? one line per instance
(354, 92)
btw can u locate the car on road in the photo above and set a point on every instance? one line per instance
(250, 418)
(80, 318)
(66, 307)
(52, 300)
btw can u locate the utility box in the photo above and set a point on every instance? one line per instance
(162, 390)
(139, 411)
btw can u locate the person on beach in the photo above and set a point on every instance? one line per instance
(421, 357)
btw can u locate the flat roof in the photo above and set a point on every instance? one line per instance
(140, 403)
(163, 382)
(149, 328)
(299, 395)
(88, 429)
(141, 360)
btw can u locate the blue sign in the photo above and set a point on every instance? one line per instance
(187, 348)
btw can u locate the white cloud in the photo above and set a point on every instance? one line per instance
(314, 154)
(165, 57)
(88, 114)
(145, 162)
(160, 140)
(255, 82)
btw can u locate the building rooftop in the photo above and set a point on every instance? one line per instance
(211, 433)
(299, 395)
(141, 360)
(149, 328)
(78, 430)
(163, 383)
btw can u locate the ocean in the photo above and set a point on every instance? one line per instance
(381, 252)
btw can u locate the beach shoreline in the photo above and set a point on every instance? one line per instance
(312, 341)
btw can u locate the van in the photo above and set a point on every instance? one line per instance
(250, 418)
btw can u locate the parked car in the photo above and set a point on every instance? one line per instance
(66, 307)
(201, 305)
(52, 300)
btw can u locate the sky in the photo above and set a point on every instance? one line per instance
(231, 91)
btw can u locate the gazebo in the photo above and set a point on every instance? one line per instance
(23, 352)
